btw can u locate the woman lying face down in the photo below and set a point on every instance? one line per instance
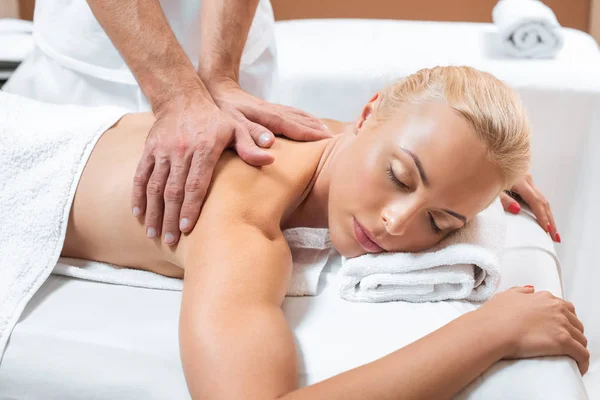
(423, 158)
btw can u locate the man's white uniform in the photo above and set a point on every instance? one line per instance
(74, 61)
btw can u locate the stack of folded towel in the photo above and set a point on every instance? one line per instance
(463, 266)
(527, 28)
(16, 42)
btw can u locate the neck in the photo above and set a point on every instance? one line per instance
(313, 211)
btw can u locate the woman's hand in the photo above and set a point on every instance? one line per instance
(537, 324)
(540, 207)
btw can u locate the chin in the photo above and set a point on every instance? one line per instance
(344, 242)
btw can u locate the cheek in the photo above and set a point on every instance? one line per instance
(418, 237)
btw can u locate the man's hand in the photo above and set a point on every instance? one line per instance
(540, 207)
(181, 152)
(263, 119)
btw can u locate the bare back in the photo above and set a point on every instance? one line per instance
(102, 228)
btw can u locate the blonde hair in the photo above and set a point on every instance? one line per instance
(494, 111)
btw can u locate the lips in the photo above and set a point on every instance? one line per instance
(362, 237)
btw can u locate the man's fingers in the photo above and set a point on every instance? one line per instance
(198, 178)
(288, 124)
(173, 197)
(262, 136)
(140, 182)
(248, 150)
(154, 195)
(312, 120)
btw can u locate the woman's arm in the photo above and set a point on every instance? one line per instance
(235, 342)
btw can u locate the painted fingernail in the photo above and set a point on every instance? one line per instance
(557, 237)
(549, 227)
(528, 286)
(169, 238)
(514, 208)
(263, 139)
(183, 224)
(136, 211)
(151, 232)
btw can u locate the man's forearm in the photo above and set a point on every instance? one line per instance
(225, 26)
(141, 33)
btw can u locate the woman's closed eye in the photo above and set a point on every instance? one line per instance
(394, 178)
(434, 226)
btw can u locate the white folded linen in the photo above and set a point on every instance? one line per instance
(527, 28)
(16, 41)
(463, 266)
(310, 252)
(42, 156)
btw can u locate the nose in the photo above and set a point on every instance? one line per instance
(397, 217)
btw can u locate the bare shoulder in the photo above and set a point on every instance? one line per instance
(261, 196)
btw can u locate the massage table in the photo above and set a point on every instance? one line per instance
(79, 339)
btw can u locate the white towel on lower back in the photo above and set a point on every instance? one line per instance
(43, 150)
(527, 28)
(463, 266)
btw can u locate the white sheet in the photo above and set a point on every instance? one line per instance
(332, 67)
(116, 342)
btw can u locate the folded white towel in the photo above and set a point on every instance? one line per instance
(310, 252)
(463, 266)
(527, 28)
(43, 150)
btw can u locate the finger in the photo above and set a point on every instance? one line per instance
(261, 135)
(509, 204)
(552, 227)
(173, 197)
(311, 122)
(577, 352)
(536, 203)
(198, 178)
(154, 195)
(248, 150)
(527, 289)
(285, 123)
(570, 307)
(574, 321)
(546, 293)
(317, 123)
(140, 182)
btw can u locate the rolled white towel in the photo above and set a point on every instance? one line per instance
(527, 29)
(463, 266)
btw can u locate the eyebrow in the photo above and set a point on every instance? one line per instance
(426, 182)
(418, 164)
(456, 215)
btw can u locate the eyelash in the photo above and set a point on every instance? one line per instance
(435, 228)
(394, 179)
(400, 184)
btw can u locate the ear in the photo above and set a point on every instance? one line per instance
(366, 112)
